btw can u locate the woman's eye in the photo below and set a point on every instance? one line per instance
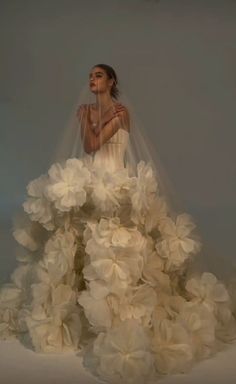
(90, 77)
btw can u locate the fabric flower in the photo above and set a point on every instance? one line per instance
(109, 188)
(113, 265)
(95, 305)
(200, 323)
(59, 253)
(226, 323)
(115, 253)
(57, 329)
(28, 233)
(13, 296)
(172, 347)
(175, 245)
(10, 300)
(122, 354)
(110, 233)
(137, 303)
(168, 306)
(37, 205)
(67, 184)
(206, 289)
(153, 268)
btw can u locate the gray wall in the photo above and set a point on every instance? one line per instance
(176, 60)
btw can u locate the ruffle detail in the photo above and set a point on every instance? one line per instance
(103, 268)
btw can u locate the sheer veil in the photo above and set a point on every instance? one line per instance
(107, 230)
(139, 148)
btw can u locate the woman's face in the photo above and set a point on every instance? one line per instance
(99, 81)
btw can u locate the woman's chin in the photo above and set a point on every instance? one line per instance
(94, 90)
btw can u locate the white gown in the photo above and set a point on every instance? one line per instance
(104, 270)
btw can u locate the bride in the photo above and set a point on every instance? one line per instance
(106, 267)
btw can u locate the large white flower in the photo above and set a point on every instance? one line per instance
(123, 355)
(153, 268)
(175, 244)
(28, 233)
(137, 303)
(37, 205)
(109, 188)
(59, 253)
(110, 233)
(206, 289)
(94, 302)
(12, 296)
(117, 267)
(102, 231)
(24, 237)
(226, 322)
(67, 184)
(200, 323)
(59, 328)
(22, 276)
(172, 347)
(115, 253)
(10, 300)
(168, 306)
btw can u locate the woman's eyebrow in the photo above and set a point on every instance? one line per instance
(100, 73)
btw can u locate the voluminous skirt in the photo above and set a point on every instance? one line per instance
(104, 268)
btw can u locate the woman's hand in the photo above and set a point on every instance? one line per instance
(116, 111)
(119, 108)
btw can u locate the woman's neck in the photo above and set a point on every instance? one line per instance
(103, 101)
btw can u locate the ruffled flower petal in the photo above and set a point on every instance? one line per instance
(208, 290)
(67, 184)
(123, 355)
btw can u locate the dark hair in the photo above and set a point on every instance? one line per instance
(112, 75)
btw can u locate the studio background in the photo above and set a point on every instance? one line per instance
(176, 61)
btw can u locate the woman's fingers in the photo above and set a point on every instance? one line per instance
(119, 108)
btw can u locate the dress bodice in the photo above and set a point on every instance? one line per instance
(111, 154)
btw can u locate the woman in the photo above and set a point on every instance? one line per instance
(108, 267)
(105, 117)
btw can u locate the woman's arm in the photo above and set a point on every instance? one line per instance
(93, 140)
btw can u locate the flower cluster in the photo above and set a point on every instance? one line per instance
(104, 265)
(53, 321)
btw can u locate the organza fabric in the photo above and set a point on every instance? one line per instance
(104, 268)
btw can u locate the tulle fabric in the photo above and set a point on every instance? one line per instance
(104, 267)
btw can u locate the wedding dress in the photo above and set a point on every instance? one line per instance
(105, 271)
